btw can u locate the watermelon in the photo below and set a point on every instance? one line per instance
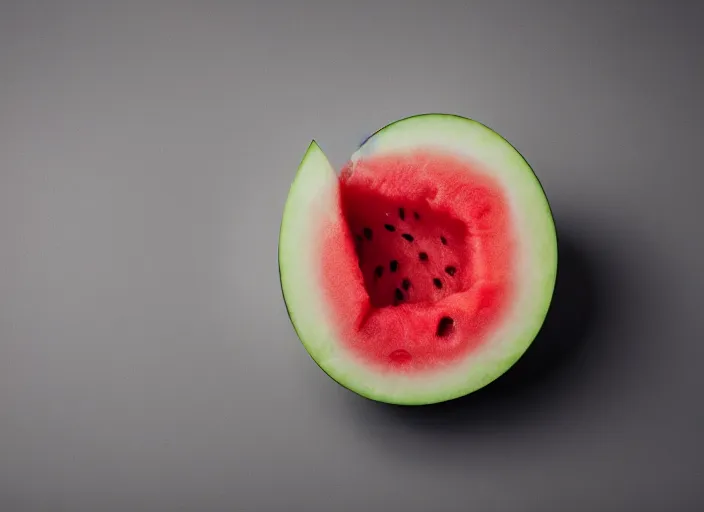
(424, 268)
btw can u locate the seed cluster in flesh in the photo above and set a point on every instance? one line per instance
(405, 258)
(419, 265)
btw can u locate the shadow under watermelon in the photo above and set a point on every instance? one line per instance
(545, 373)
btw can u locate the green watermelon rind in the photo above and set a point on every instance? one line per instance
(313, 196)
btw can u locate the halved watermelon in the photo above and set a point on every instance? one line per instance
(425, 268)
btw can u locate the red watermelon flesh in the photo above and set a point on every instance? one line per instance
(417, 266)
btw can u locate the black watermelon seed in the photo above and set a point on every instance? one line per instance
(399, 294)
(389, 227)
(450, 270)
(407, 237)
(423, 256)
(416, 216)
(437, 283)
(378, 271)
(406, 284)
(401, 213)
(443, 240)
(393, 265)
(368, 233)
(358, 238)
(444, 326)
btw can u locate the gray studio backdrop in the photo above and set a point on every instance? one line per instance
(146, 359)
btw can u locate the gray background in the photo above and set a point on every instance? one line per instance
(146, 359)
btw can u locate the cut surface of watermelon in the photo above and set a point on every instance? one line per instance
(425, 268)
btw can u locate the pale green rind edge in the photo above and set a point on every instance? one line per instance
(316, 182)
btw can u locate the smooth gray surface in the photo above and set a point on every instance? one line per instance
(146, 359)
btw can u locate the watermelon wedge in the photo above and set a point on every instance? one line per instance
(424, 269)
